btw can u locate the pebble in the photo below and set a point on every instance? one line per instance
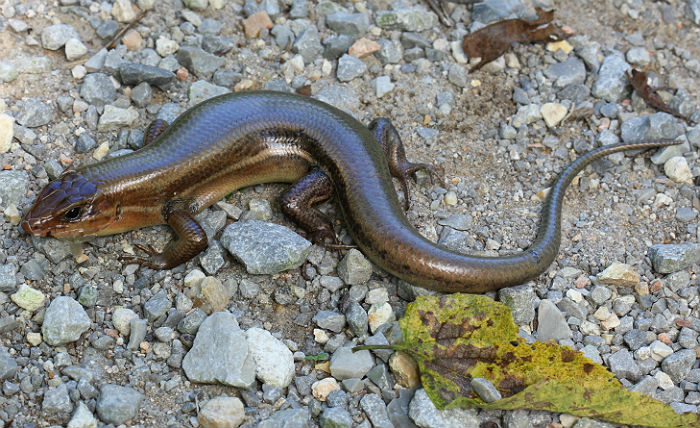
(669, 258)
(526, 115)
(75, 49)
(291, 418)
(34, 113)
(485, 389)
(220, 353)
(65, 321)
(133, 74)
(8, 72)
(638, 56)
(308, 44)
(551, 323)
(657, 126)
(114, 118)
(355, 316)
(572, 71)
(379, 314)
(349, 68)
(56, 405)
(8, 278)
(611, 83)
(330, 320)
(347, 365)
(414, 19)
(8, 366)
(375, 409)
(352, 24)
(335, 417)
(199, 61)
(222, 412)
(118, 404)
(619, 274)
(28, 298)
(424, 414)
(265, 248)
(54, 37)
(405, 369)
(202, 90)
(274, 361)
(553, 113)
(123, 11)
(82, 417)
(623, 365)
(255, 23)
(678, 364)
(322, 388)
(98, 89)
(677, 169)
(354, 268)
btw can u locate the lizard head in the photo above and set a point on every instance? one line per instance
(71, 207)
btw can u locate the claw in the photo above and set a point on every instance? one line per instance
(149, 261)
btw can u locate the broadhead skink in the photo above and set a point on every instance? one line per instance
(246, 138)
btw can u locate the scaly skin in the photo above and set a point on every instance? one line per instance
(242, 139)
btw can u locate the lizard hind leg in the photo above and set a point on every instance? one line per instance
(399, 166)
(298, 204)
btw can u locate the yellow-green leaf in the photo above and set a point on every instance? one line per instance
(458, 337)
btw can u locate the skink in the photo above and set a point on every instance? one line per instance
(241, 139)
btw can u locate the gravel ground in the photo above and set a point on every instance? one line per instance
(241, 334)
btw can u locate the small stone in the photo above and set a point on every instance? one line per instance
(375, 409)
(619, 274)
(308, 44)
(521, 301)
(659, 350)
(354, 268)
(363, 47)
(350, 67)
(678, 364)
(123, 11)
(265, 248)
(121, 319)
(424, 414)
(551, 323)
(379, 314)
(352, 24)
(485, 389)
(623, 365)
(222, 412)
(669, 258)
(638, 56)
(290, 418)
(118, 404)
(526, 115)
(199, 61)
(677, 169)
(28, 298)
(54, 37)
(320, 389)
(56, 404)
(405, 369)
(114, 118)
(34, 113)
(8, 366)
(212, 296)
(74, 49)
(612, 82)
(133, 74)
(82, 417)
(346, 365)
(335, 417)
(553, 113)
(198, 4)
(220, 353)
(65, 321)
(274, 361)
(330, 320)
(255, 23)
(357, 319)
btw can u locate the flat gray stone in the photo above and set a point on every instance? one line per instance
(64, 321)
(669, 258)
(265, 248)
(118, 404)
(346, 364)
(611, 84)
(551, 323)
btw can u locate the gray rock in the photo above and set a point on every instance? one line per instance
(54, 37)
(415, 19)
(600, 294)
(342, 97)
(299, 9)
(33, 113)
(391, 51)
(8, 278)
(265, 248)
(623, 365)
(118, 404)
(56, 405)
(551, 323)
(426, 415)
(330, 320)
(350, 67)
(8, 366)
(381, 377)
(678, 364)
(8, 72)
(212, 259)
(132, 74)
(669, 258)
(199, 61)
(568, 72)
(651, 127)
(521, 301)
(137, 328)
(646, 386)
(141, 94)
(352, 24)
(345, 364)
(249, 289)
(84, 143)
(35, 269)
(291, 418)
(157, 306)
(375, 409)
(354, 268)
(98, 89)
(457, 75)
(335, 417)
(308, 44)
(357, 320)
(13, 187)
(636, 338)
(55, 249)
(686, 214)
(107, 29)
(220, 353)
(494, 10)
(88, 296)
(485, 389)
(611, 83)
(202, 90)
(574, 92)
(64, 321)
(214, 44)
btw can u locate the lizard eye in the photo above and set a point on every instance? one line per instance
(73, 213)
